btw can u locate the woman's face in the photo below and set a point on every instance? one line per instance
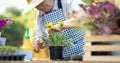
(46, 6)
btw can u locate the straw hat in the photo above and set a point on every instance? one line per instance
(32, 4)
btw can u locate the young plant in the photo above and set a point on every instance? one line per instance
(8, 50)
(57, 38)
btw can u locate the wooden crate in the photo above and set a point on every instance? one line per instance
(101, 38)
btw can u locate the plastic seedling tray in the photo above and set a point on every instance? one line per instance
(12, 57)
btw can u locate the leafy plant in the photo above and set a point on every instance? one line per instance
(5, 22)
(103, 14)
(57, 38)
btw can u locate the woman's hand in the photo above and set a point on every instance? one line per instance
(38, 45)
(76, 14)
(56, 29)
(80, 17)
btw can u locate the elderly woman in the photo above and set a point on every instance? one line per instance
(55, 11)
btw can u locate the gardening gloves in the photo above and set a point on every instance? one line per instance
(38, 44)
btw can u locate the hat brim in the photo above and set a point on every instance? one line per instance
(31, 5)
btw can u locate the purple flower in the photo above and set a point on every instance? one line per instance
(3, 24)
(102, 13)
(106, 7)
(110, 8)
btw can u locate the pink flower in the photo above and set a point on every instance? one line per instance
(9, 21)
(5, 23)
(107, 30)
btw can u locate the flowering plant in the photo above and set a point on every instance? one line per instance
(57, 38)
(103, 17)
(5, 22)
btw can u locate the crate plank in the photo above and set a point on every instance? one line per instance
(102, 48)
(102, 58)
(102, 38)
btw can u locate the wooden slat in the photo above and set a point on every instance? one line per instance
(87, 54)
(101, 58)
(102, 38)
(102, 48)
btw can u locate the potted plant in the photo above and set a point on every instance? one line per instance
(5, 22)
(56, 41)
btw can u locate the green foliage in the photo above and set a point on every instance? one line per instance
(15, 33)
(14, 11)
(8, 50)
(2, 17)
(88, 2)
(57, 39)
(88, 24)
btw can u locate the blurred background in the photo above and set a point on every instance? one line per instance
(13, 9)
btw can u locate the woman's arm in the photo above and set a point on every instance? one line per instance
(77, 20)
(37, 43)
(77, 14)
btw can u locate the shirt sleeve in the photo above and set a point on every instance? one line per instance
(73, 5)
(37, 29)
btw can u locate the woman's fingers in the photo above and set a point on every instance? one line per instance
(47, 32)
(39, 44)
(56, 29)
(37, 49)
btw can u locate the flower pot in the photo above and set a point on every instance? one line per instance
(2, 40)
(56, 52)
(44, 54)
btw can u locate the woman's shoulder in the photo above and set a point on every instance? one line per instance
(73, 5)
(74, 1)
